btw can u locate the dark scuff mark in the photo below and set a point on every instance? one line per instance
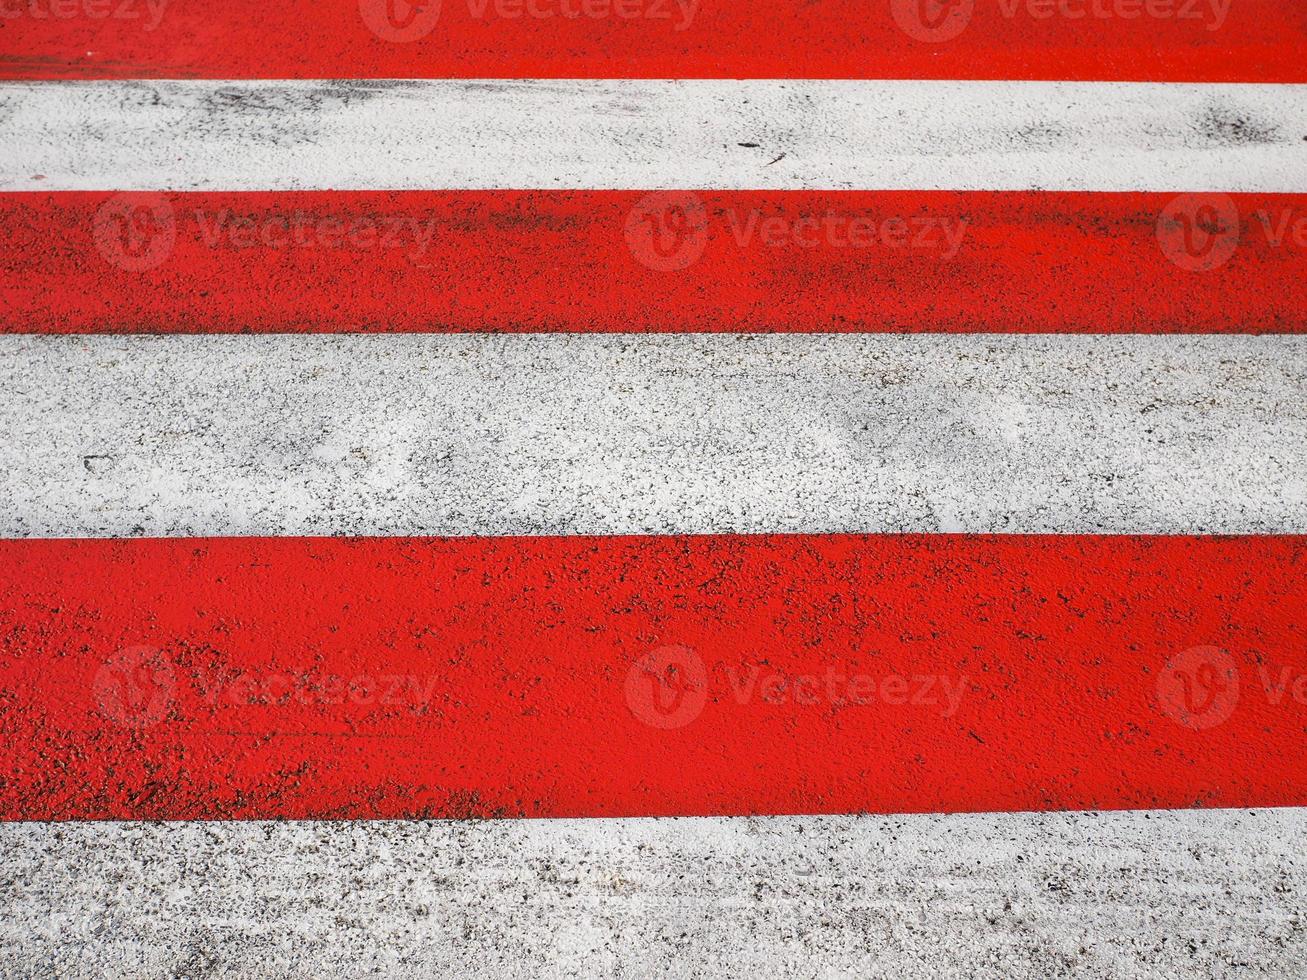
(1224, 125)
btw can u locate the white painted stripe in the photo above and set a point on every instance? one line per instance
(439, 134)
(1147, 894)
(613, 434)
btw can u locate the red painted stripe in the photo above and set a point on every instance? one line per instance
(1122, 40)
(249, 678)
(623, 261)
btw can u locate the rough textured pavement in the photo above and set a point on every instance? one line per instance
(590, 434)
(650, 134)
(1130, 894)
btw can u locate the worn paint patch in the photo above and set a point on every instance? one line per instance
(625, 134)
(617, 261)
(1185, 40)
(502, 677)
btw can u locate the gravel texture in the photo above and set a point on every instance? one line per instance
(505, 435)
(1130, 894)
(651, 134)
